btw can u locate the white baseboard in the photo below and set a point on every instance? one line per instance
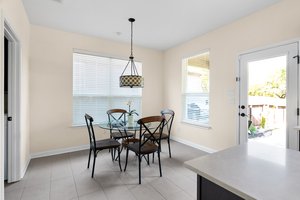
(84, 147)
(59, 151)
(25, 168)
(191, 144)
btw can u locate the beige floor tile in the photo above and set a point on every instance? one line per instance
(99, 195)
(38, 176)
(63, 189)
(13, 186)
(37, 192)
(62, 170)
(180, 196)
(66, 177)
(85, 184)
(118, 191)
(165, 187)
(145, 192)
(13, 194)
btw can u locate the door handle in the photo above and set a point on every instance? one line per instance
(9, 118)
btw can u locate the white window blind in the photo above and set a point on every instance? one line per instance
(96, 87)
(196, 89)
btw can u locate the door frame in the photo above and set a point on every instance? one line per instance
(14, 144)
(238, 88)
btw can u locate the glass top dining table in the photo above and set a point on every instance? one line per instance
(119, 126)
(123, 126)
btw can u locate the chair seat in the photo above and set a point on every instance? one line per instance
(97, 145)
(128, 141)
(156, 135)
(147, 148)
(107, 144)
(118, 135)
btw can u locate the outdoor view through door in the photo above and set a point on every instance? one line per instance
(267, 100)
(268, 96)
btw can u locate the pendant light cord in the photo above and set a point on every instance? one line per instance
(131, 44)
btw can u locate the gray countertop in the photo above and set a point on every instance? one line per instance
(253, 171)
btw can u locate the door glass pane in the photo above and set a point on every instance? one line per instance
(267, 101)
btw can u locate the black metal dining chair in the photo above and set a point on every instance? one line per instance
(146, 146)
(168, 114)
(117, 118)
(98, 145)
(116, 121)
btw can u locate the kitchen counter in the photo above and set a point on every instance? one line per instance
(250, 171)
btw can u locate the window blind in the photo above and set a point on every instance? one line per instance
(96, 87)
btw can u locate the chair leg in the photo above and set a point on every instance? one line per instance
(140, 169)
(148, 161)
(126, 159)
(158, 155)
(110, 138)
(89, 158)
(116, 158)
(112, 154)
(159, 148)
(169, 148)
(152, 157)
(95, 155)
(119, 152)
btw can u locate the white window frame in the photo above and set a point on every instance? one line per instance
(185, 94)
(111, 96)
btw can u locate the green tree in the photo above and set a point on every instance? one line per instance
(274, 87)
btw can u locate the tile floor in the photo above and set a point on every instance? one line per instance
(65, 177)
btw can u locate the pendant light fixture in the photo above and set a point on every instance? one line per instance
(133, 79)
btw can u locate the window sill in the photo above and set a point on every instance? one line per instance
(78, 126)
(199, 125)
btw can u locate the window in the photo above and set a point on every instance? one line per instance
(96, 87)
(196, 89)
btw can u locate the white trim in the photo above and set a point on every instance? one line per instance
(191, 144)
(292, 99)
(195, 53)
(184, 93)
(298, 94)
(265, 47)
(270, 46)
(237, 101)
(14, 166)
(59, 151)
(85, 147)
(198, 125)
(25, 168)
(2, 107)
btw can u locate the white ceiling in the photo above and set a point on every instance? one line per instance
(160, 24)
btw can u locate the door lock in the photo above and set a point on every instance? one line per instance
(9, 118)
(243, 114)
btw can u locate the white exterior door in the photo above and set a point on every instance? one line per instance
(268, 95)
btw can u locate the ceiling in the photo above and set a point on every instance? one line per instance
(160, 24)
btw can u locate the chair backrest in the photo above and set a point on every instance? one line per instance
(116, 117)
(169, 117)
(156, 123)
(89, 123)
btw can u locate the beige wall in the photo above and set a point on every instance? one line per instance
(50, 103)
(275, 24)
(51, 85)
(15, 15)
